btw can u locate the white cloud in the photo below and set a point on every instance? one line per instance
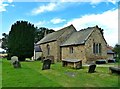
(54, 5)
(3, 6)
(107, 20)
(40, 23)
(10, 1)
(44, 8)
(57, 20)
(91, 1)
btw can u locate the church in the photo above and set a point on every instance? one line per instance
(67, 43)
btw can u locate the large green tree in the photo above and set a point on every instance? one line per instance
(117, 51)
(21, 40)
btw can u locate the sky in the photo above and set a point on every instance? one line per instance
(56, 14)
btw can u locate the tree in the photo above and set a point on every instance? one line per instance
(117, 51)
(4, 41)
(21, 40)
(41, 32)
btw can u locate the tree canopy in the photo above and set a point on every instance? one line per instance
(22, 37)
(117, 50)
(21, 40)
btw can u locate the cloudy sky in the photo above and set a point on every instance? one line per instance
(56, 15)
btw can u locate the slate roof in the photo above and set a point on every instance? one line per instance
(55, 35)
(79, 37)
(37, 48)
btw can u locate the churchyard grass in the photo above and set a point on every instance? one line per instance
(0, 73)
(31, 75)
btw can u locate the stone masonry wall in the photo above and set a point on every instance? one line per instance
(85, 52)
(53, 49)
(96, 37)
(78, 53)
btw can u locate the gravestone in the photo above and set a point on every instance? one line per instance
(13, 59)
(46, 64)
(115, 70)
(51, 58)
(101, 62)
(15, 62)
(92, 68)
(111, 61)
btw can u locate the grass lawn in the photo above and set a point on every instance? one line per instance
(0, 73)
(31, 75)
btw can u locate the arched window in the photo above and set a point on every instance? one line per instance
(100, 48)
(71, 49)
(48, 49)
(94, 48)
(97, 48)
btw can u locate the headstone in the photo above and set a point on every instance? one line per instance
(115, 70)
(92, 68)
(51, 58)
(16, 64)
(101, 62)
(46, 64)
(13, 59)
(111, 61)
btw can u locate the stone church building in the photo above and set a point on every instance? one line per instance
(67, 43)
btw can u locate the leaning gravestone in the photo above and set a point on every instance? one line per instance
(46, 64)
(15, 62)
(92, 68)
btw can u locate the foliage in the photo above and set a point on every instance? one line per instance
(4, 41)
(21, 40)
(32, 75)
(117, 50)
(41, 32)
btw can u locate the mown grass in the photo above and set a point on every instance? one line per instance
(0, 73)
(31, 75)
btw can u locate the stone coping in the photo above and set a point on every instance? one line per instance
(71, 60)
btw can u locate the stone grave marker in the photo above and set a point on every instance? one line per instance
(46, 64)
(115, 70)
(15, 62)
(92, 68)
(51, 58)
(13, 59)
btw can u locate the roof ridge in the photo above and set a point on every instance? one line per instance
(65, 27)
(86, 28)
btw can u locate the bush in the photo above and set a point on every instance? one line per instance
(117, 59)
